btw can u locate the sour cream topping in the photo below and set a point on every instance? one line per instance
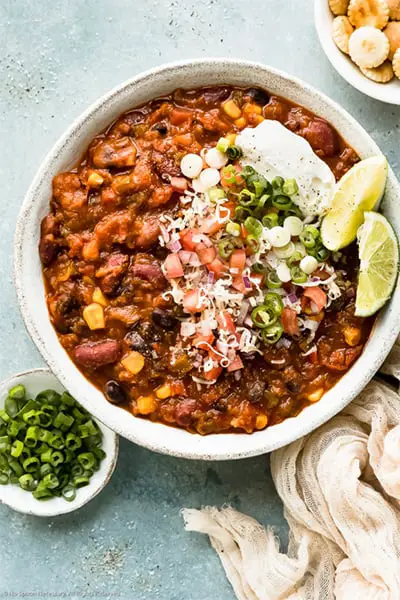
(273, 150)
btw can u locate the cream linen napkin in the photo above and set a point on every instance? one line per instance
(340, 487)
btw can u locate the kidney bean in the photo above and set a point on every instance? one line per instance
(321, 136)
(97, 354)
(184, 410)
(47, 249)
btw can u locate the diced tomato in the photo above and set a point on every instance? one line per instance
(231, 207)
(201, 341)
(186, 236)
(217, 267)
(178, 388)
(173, 266)
(289, 321)
(225, 322)
(179, 184)
(206, 255)
(192, 302)
(238, 260)
(212, 374)
(226, 174)
(316, 295)
(179, 116)
(236, 364)
(211, 226)
(238, 284)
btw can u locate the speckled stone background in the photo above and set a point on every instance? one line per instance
(55, 59)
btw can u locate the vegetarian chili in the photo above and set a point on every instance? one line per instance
(120, 267)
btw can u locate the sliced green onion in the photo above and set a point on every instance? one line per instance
(247, 198)
(14, 428)
(258, 268)
(17, 448)
(247, 171)
(270, 220)
(294, 258)
(27, 482)
(31, 417)
(233, 229)
(274, 302)
(69, 493)
(11, 406)
(262, 203)
(87, 460)
(320, 253)
(45, 469)
(225, 248)
(80, 481)
(16, 467)
(45, 456)
(273, 281)
(290, 187)
(252, 244)
(309, 236)
(32, 436)
(297, 275)
(282, 202)
(50, 481)
(277, 183)
(72, 441)
(17, 392)
(4, 443)
(256, 183)
(233, 152)
(241, 213)
(57, 441)
(31, 464)
(272, 334)
(63, 421)
(223, 144)
(263, 316)
(215, 194)
(42, 492)
(253, 226)
(57, 457)
(4, 416)
(4, 478)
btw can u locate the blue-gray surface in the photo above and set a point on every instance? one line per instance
(56, 58)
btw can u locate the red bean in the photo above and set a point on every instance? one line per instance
(321, 136)
(184, 410)
(97, 354)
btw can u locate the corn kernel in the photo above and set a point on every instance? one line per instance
(241, 123)
(146, 405)
(261, 421)
(164, 391)
(95, 180)
(352, 335)
(257, 119)
(316, 395)
(231, 137)
(232, 109)
(99, 298)
(133, 362)
(94, 316)
(252, 109)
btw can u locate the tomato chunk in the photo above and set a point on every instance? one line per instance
(201, 341)
(235, 365)
(316, 295)
(205, 254)
(217, 267)
(186, 236)
(179, 184)
(225, 322)
(238, 260)
(289, 321)
(212, 374)
(173, 266)
(192, 302)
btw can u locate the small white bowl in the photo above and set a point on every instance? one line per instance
(13, 496)
(386, 92)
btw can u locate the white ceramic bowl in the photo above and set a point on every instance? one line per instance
(29, 282)
(36, 381)
(386, 92)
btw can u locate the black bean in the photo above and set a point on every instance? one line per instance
(163, 319)
(255, 391)
(161, 128)
(136, 342)
(293, 386)
(258, 96)
(114, 392)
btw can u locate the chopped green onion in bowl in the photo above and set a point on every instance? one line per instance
(65, 459)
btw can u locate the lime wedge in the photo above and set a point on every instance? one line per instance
(360, 189)
(379, 258)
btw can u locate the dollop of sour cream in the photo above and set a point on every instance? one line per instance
(273, 150)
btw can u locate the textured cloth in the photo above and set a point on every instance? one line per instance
(340, 487)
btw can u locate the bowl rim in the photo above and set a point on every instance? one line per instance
(343, 65)
(196, 447)
(91, 491)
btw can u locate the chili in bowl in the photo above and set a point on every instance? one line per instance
(186, 276)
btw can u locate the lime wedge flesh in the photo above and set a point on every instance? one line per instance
(360, 189)
(379, 258)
